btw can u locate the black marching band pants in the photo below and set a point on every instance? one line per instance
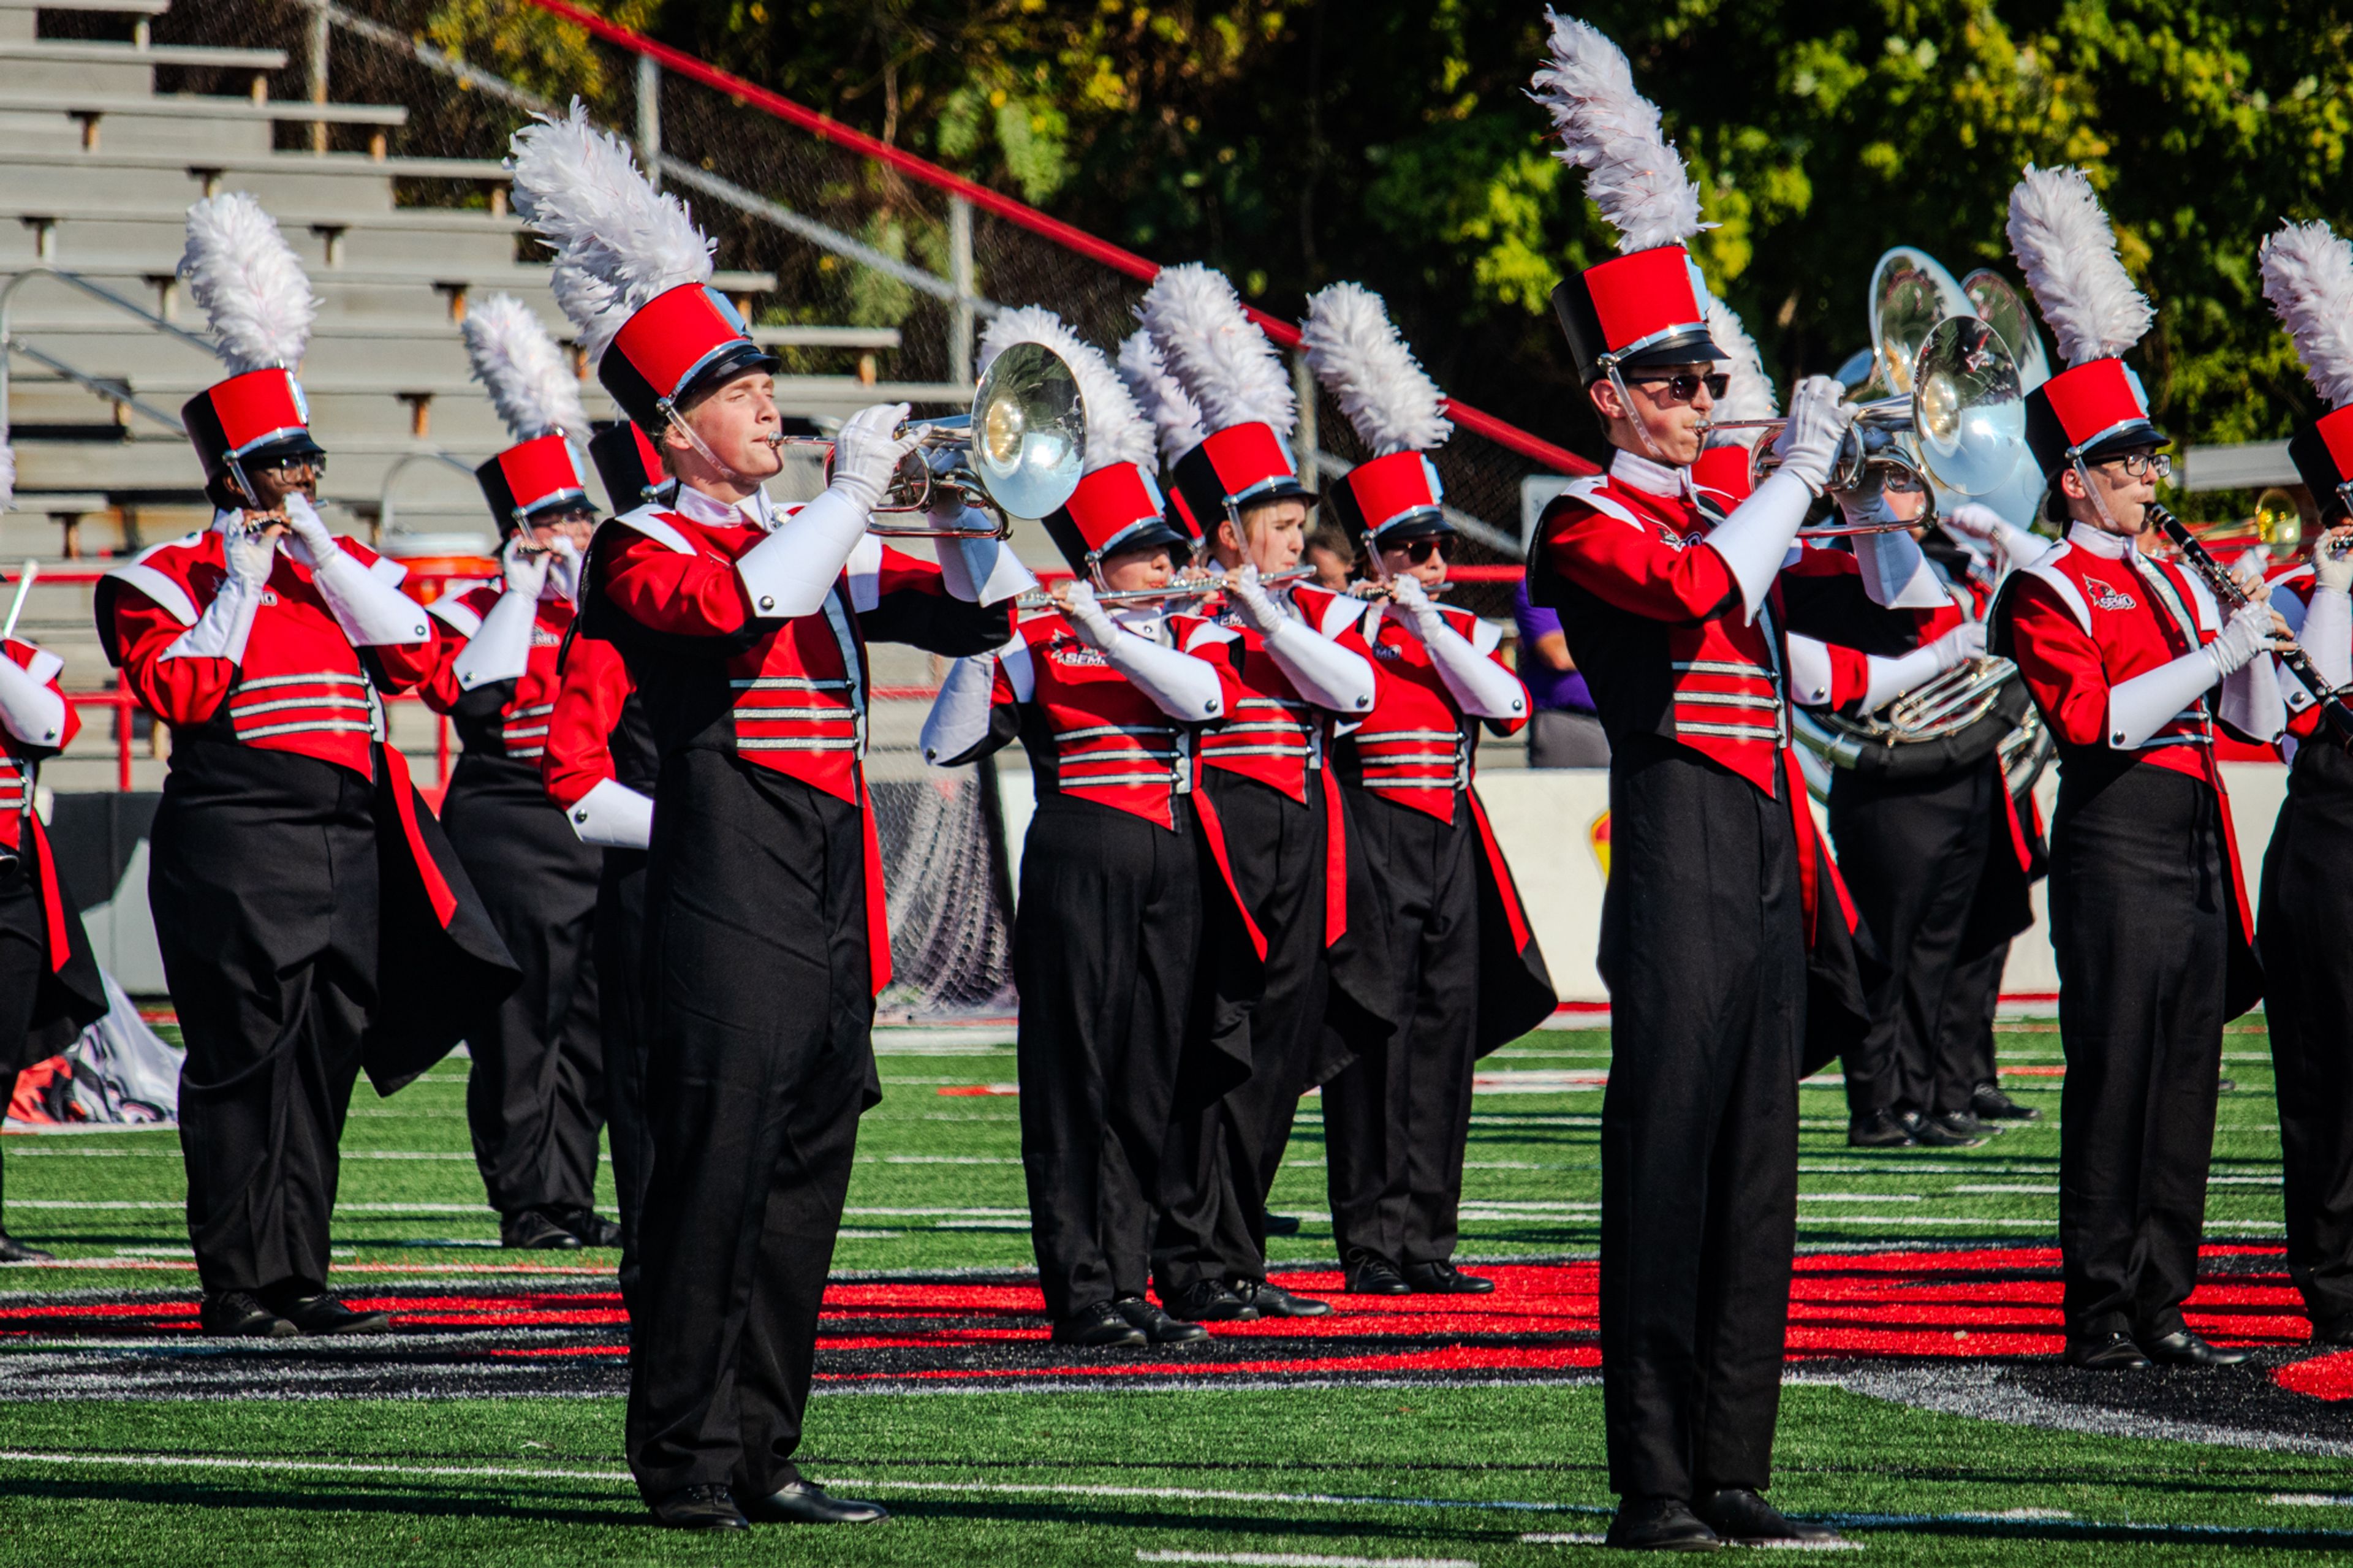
(1397, 1119)
(1914, 853)
(2308, 909)
(1223, 1157)
(2140, 922)
(1105, 938)
(24, 955)
(759, 1063)
(536, 1090)
(620, 958)
(1703, 949)
(265, 884)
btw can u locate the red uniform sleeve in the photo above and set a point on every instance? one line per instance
(1850, 677)
(24, 653)
(176, 691)
(1632, 568)
(589, 702)
(405, 665)
(2061, 664)
(665, 590)
(439, 688)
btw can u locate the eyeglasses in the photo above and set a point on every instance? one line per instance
(1419, 551)
(290, 467)
(1683, 388)
(2137, 465)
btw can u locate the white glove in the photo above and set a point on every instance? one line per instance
(524, 565)
(1967, 640)
(1089, 623)
(2248, 632)
(2332, 567)
(2013, 546)
(1480, 686)
(867, 449)
(1892, 677)
(227, 623)
(310, 528)
(1321, 670)
(1250, 599)
(563, 569)
(28, 709)
(2249, 573)
(1405, 592)
(371, 609)
(251, 555)
(1819, 417)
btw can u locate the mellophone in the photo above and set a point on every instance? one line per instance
(2333, 703)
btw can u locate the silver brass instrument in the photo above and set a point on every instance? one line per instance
(1971, 711)
(1019, 452)
(1181, 588)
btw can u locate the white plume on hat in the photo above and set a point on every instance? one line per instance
(1358, 355)
(1209, 343)
(1175, 420)
(1750, 395)
(1117, 431)
(2067, 248)
(248, 282)
(618, 242)
(1611, 131)
(530, 383)
(2308, 278)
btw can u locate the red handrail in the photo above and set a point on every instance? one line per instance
(1020, 214)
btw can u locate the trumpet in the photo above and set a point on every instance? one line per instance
(1019, 452)
(1961, 428)
(1181, 588)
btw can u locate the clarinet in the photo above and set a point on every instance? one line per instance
(2334, 703)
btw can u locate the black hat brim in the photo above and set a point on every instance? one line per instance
(1691, 347)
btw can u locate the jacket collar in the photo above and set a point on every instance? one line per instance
(1639, 473)
(754, 512)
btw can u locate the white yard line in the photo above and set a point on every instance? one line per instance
(1303, 1560)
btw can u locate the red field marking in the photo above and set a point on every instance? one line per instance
(2327, 1377)
(2034, 1072)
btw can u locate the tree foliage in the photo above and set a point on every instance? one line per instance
(1297, 142)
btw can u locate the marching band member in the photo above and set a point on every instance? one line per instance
(534, 1091)
(313, 918)
(2148, 918)
(1108, 702)
(599, 771)
(744, 625)
(50, 985)
(1442, 966)
(2307, 899)
(1264, 779)
(1727, 941)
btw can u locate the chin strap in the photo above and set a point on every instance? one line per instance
(1626, 398)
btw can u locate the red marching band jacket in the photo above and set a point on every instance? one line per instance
(72, 993)
(584, 723)
(1275, 736)
(2077, 623)
(1714, 680)
(797, 688)
(522, 721)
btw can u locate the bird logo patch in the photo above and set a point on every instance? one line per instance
(2105, 597)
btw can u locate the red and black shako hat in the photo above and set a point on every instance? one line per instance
(2067, 248)
(630, 466)
(531, 383)
(1358, 356)
(1644, 306)
(1235, 452)
(2308, 277)
(251, 288)
(1118, 505)
(631, 270)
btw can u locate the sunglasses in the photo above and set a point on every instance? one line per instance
(1684, 388)
(1419, 551)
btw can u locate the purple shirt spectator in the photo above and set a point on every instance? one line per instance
(1547, 687)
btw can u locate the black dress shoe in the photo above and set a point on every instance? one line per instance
(699, 1508)
(806, 1502)
(1737, 1513)
(325, 1314)
(590, 1228)
(236, 1315)
(1942, 1132)
(1156, 1326)
(2183, 1348)
(1443, 1279)
(1099, 1327)
(2105, 1353)
(1274, 1301)
(1279, 1224)
(1877, 1130)
(14, 1251)
(531, 1231)
(1208, 1301)
(1368, 1275)
(1660, 1524)
(1988, 1103)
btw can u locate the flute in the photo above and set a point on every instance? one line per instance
(1183, 588)
(2333, 705)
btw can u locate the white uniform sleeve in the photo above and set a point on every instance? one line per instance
(2326, 634)
(499, 648)
(959, 717)
(2140, 707)
(1482, 688)
(982, 570)
(32, 712)
(223, 630)
(2251, 702)
(613, 816)
(789, 573)
(1181, 686)
(1754, 539)
(1895, 574)
(1809, 671)
(1326, 674)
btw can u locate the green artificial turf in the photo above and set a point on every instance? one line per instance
(1099, 1478)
